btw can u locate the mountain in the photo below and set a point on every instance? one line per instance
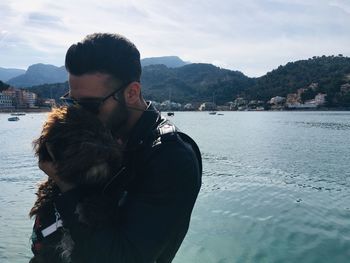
(200, 82)
(192, 83)
(169, 61)
(40, 74)
(9, 73)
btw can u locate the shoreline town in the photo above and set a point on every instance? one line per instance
(21, 100)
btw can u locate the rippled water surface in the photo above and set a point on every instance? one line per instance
(276, 187)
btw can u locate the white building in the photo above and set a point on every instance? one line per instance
(5, 101)
(320, 99)
(50, 102)
(345, 88)
(207, 106)
(277, 100)
(169, 105)
(313, 86)
(30, 98)
(188, 106)
(239, 102)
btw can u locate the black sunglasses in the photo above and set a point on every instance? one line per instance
(90, 104)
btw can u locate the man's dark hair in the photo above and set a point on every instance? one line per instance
(105, 53)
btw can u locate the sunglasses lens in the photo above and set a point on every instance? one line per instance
(91, 106)
(68, 101)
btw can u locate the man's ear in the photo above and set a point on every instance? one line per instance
(132, 93)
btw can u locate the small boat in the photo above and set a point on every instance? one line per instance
(212, 112)
(18, 114)
(220, 114)
(170, 113)
(13, 119)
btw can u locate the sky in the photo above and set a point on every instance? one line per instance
(252, 36)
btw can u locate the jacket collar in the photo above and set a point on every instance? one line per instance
(143, 127)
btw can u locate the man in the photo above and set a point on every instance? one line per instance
(156, 188)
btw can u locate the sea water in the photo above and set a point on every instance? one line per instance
(276, 187)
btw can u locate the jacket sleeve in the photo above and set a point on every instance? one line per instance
(155, 216)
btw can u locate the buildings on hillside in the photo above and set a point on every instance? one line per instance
(291, 102)
(345, 88)
(207, 106)
(13, 98)
(6, 101)
(307, 98)
(294, 100)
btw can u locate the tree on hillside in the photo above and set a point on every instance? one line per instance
(3, 86)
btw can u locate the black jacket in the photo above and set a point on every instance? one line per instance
(155, 192)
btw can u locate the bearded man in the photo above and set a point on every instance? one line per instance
(160, 177)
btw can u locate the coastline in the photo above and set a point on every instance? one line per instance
(34, 110)
(41, 110)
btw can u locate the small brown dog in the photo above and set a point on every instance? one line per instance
(84, 154)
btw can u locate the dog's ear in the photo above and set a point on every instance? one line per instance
(49, 149)
(52, 126)
(40, 149)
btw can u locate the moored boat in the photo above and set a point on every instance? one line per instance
(13, 119)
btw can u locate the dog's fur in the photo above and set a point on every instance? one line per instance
(84, 154)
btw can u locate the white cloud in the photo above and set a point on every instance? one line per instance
(253, 36)
(344, 5)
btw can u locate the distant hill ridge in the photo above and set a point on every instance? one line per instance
(9, 73)
(40, 74)
(169, 61)
(199, 82)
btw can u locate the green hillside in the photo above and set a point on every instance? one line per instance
(205, 82)
(329, 72)
(192, 83)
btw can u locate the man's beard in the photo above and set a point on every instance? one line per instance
(118, 119)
